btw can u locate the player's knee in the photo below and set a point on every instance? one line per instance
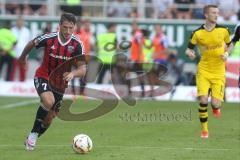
(48, 103)
(47, 99)
(203, 99)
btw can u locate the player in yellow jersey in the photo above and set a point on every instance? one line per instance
(212, 41)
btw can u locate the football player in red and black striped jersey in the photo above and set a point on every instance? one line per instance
(59, 47)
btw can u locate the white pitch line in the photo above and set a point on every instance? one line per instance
(19, 104)
(129, 147)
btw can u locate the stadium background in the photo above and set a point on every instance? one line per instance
(170, 139)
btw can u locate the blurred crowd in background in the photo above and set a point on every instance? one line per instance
(144, 49)
(164, 9)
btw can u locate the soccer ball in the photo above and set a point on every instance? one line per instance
(82, 144)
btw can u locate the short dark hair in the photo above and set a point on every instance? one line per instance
(145, 32)
(172, 56)
(110, 25)
(68, 17)
(206, 8)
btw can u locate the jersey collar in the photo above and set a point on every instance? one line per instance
(216, 26)
(63, 44)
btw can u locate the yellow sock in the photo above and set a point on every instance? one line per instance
(203, 116)
(204, 126)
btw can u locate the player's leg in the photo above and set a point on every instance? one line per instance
(74, 89)
(1, 63)
(217, 96)
(9, 67)
(203, 115)
(141, 79)
(151, 80)
(22, 71)
(216, 107)
(82, 85)
(125, 72)
(73, 86)
(14, 69)
(130, 68)
(102, 71)
(47, 101)
(52, 113)
(203, 86)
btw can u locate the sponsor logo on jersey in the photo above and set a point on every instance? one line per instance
(59, 57)
(70, 48)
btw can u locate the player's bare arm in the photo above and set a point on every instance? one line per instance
(79, 72)
(227, 52)
(23, 58)
(190, 53)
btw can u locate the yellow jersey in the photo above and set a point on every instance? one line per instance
(211, 45)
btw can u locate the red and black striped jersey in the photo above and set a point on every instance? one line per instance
(56, 52)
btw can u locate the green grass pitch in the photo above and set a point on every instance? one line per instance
(151, 130)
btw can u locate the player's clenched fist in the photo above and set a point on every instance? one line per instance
(68, 76)
(190, 53)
